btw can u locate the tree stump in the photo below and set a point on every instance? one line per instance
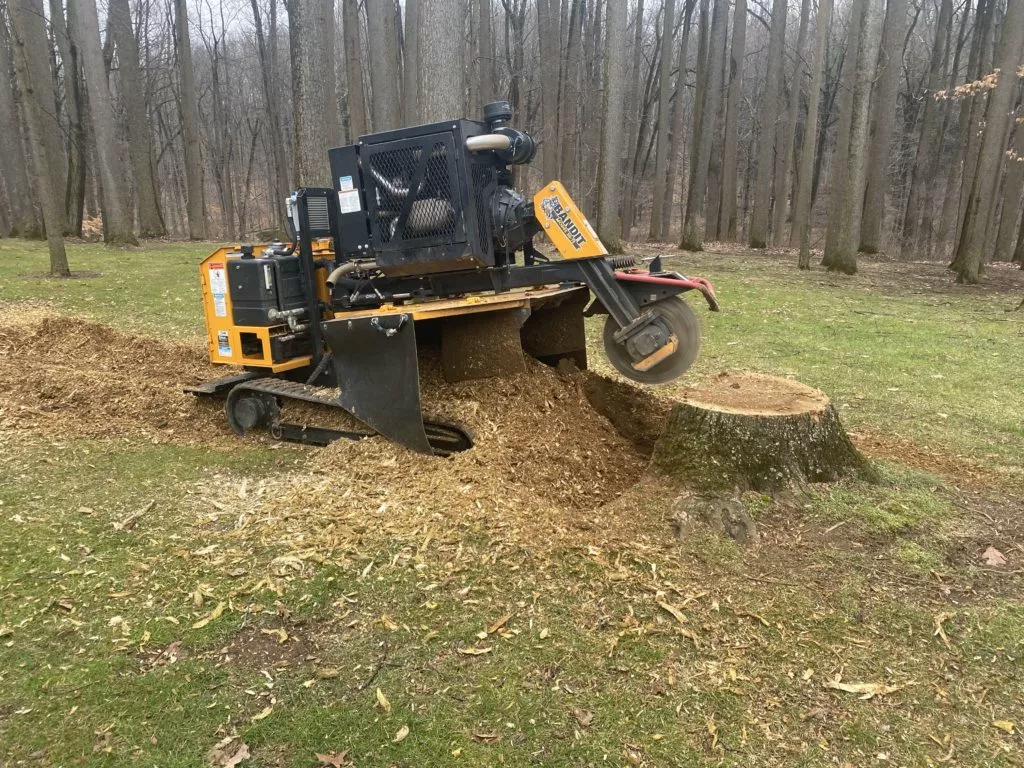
(755, 432)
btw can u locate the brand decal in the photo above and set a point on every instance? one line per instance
(555, 211)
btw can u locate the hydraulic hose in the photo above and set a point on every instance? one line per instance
(343, 269)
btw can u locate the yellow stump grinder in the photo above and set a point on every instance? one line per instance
(424, 240)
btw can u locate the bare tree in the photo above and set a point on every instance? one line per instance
(548, 38)
(190, 125)
(925, 160)
(384, 77)
(883, 110)
(661, 181)
(1012, 189)
(24, 218)
(770, 108)
(710, 84)
(678, 118)
(74, 107)
(34, 78)
(727, 213)
(354, 69)
(968, 263)
(140, 147)
(443, 69)
(485, 66)
(841, 252)
(802, 203)
(311, 92)
(570, 96)
(787, 131)
(609, 181)
(117, 219)
(267, 53)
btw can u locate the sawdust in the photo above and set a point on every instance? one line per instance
(69, 377)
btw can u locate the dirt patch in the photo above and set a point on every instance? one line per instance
(71, 377)
(268, 648)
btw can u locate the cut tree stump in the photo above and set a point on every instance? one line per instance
(755, 432)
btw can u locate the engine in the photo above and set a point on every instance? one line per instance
(434, 198)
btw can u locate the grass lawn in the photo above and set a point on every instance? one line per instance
(161, 595)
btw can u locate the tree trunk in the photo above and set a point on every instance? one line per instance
(485, 65)
(331, 127)
(802, 204)
(1012, 189)
(968, 264)
(74, 189)
(442, 69)
(34, 77)
(140, 147)
(678, 122)
(570, 99)
(843, 256)
(548, 38)
(661, 180)
(635, 108)
(190, 125)
(923, 171)
(279, 187)
(354, 67)
(117, 219)
(25, 219)
(756, 432)
(784, 157)
(310, 93)
(883, 109)
(609, 184)
(734, 91)
(770, 108)
(712, 217)
(693, 218)
(387, 108)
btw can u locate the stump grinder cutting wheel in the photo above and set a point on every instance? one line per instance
(424, 241)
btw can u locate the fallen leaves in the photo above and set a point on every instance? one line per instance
(382, 701)
(940, 631)
(487, 738)
(993, 557)
(228, 752)
(866, 690)
(213, 615)
(1004, 725)
(676, 613)
(129, 522)
(475, 651)
(402, 733)
(583, 716)
(263, 714)
(334, 759)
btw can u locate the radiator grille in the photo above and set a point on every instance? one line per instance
(414, 195)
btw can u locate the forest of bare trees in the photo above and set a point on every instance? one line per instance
(838, 128)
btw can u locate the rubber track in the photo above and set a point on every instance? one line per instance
(443, 437)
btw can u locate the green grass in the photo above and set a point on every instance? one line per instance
(590, 669)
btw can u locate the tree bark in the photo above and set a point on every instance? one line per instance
(140, 146)
(756, 432)
(196, 203)
(802, 205)
(713, 201)
(770, 108)
(548, 38)
(678, 122)
(387, 108)
(693, 218)
(968, 264)
(1012, 189)
(25, 219)
(635, 108)
(843, 256)
(442, 69)
(923, 170)
(487, 57)
(784, 157)
(609, 179)
(883, 109)
(661, 180)
(354, 68)
(570, 98)
(278, 167)
(74, 189)
(727, 215)
(34, 76)
(311, 93)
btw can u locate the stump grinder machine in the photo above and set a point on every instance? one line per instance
(423, 240)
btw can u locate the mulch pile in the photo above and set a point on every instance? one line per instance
(69, 377)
